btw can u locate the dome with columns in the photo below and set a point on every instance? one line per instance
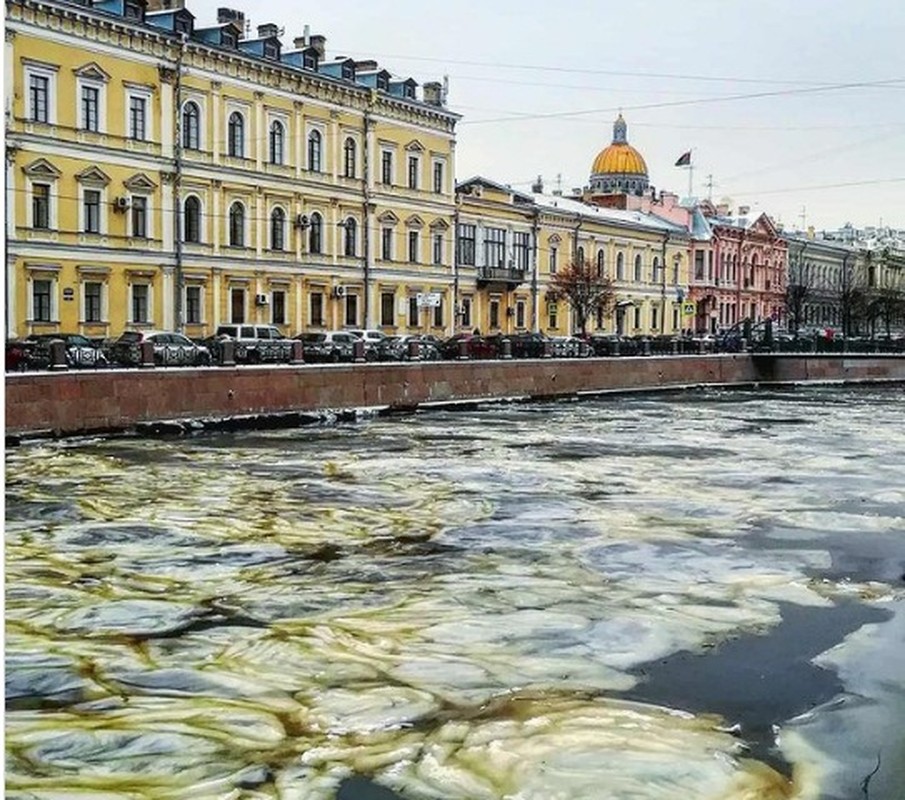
(619, 168)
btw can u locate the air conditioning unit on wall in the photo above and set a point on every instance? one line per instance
(302, 221)
(120, 203)
(261, 299)
(339, 291)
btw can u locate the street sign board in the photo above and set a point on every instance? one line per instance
(428, 299)
(688, 309)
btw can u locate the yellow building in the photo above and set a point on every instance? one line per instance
(162, 173)
(511, 243)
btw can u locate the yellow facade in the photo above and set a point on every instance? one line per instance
(645, 257)
(160, 185)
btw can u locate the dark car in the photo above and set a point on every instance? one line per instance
(399, 348)
(81, 352)
(475, 346)
(329, 346)
(18, 355)
(170, 349)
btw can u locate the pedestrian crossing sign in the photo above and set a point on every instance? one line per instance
(688, 309)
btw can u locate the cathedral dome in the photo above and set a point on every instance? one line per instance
(619, 167)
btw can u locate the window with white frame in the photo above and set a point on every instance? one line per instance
(139, 216)
(316, 234)
(40, 82)
(91, 210)
(138, 123)
(92, 301)
(387, 308)
(521, 248)
(438, 314)
(637, 316)
(351, 315)
(89, 106)
(466, 311)
(520, 314)
(494, 313)
(277, 229)
(237, 225)
(439, 178)
(40, 206)
(277, 140)
(316, 309)
(350, 237)
(315, 151)
(554, 256)
(349, 157)
(235, 135)
(43, 290)
(191, 126)
(140, 303)
(413, 247)
(278, 307)
(386, 167)
(194, 304)
(495, 247)
(638, 276)
(620, 266)
(438, 248)
(191, 220)
(467, 244)
(601, 263)
(386, 244)
(413, 311)
(414, 166)
(552, 315)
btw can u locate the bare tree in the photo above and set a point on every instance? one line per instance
(799, 293)
(584, 289)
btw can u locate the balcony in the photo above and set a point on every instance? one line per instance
(510, 276)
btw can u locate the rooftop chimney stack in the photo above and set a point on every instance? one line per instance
(433, 93)
(319, 43)
(267, 30)
(538, 186)
(231, 15)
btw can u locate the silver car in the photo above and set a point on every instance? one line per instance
(170, 349)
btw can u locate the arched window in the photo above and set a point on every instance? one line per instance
(191, 220)
(277, 135)
(315, 233)
(637, 275)
(277, 229)
(349, 158)
(579, 256)
(236, 135)
(351, 228)
(314, 151)
(601, 264)
(620, 266)
(655, 267)
(191, 126)
(237, 225)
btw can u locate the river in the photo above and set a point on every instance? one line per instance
(686, 595)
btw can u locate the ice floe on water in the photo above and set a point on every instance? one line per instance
(505, 603)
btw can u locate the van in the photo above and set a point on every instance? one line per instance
(255, 344)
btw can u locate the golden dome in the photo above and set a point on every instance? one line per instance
(619, 159)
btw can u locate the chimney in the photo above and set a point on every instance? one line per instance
(319, 43)
(231, 15)
(365, 66)
(722, 210)
(743, 211)
(433, 93)
(267, 30)
(538, 186)
(165, 5)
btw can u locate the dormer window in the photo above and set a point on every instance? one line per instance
(348, 72)
(182, 24)
(309, 61)
(383, 83)
(408, 90)
(228, 39)
(133, 10)
(270, 50)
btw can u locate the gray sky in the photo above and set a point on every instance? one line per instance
(666, 64)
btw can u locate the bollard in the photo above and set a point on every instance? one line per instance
(146, 353)
(58, 354)
(645, 347)
(463, 350)
(584, 349)
(298, 352)
(615, 350)
(548, 349)
(505, 348)
(674, 347)
(228, 353)
(414, 350)
(701, 347)
(358, 351)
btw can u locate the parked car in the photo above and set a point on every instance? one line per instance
(170, 349)
(372, 339)
(329, 346)
(81, 352)
(254, 344)
(475, 346)
(397, 348)
(529, 345)
(18, 355)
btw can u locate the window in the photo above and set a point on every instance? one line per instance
(699, 265)
(271, 51)
(191, 220)
(579, 256)
(521, 243)
(438, 177)
(91, 102)
(39, 97)
(413, 311)
(637, 316)
(655, 271)
(314, 151)
(237, 306)
(277, 229)
(191, 126)
(349, 158)
(351, 309)
(132, 11)
(438, 314)
(41, 293)
(93, 294)
(413, 247)
(237, 225)
(278, 307)
(495, 247)
(193, 305)
(350, 237)
(141, 302)
(138, 109)
(467, 244)
(236, 135)
(387, 308)
(315, 234)
(277, 136)
(654, 317)
(91, 203)
(675, 271)
(414, 163)
(637, 271)
(466, 312)
(601, 263)
(520, 314)
(438, 248)
(553, 257)
(620, 266)
(386, 167)
(316, 314)
(386, 244)
(494, 313)
(139, 215)
(40, 205)
(552, 315)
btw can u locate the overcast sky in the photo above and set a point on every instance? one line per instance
(539, 85)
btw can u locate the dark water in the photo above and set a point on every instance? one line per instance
(690, 595)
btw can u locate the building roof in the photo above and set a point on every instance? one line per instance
(619, 158)
(618, 216)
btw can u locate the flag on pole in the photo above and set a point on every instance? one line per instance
(684, 160)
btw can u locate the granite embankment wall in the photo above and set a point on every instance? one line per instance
(82, 402)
